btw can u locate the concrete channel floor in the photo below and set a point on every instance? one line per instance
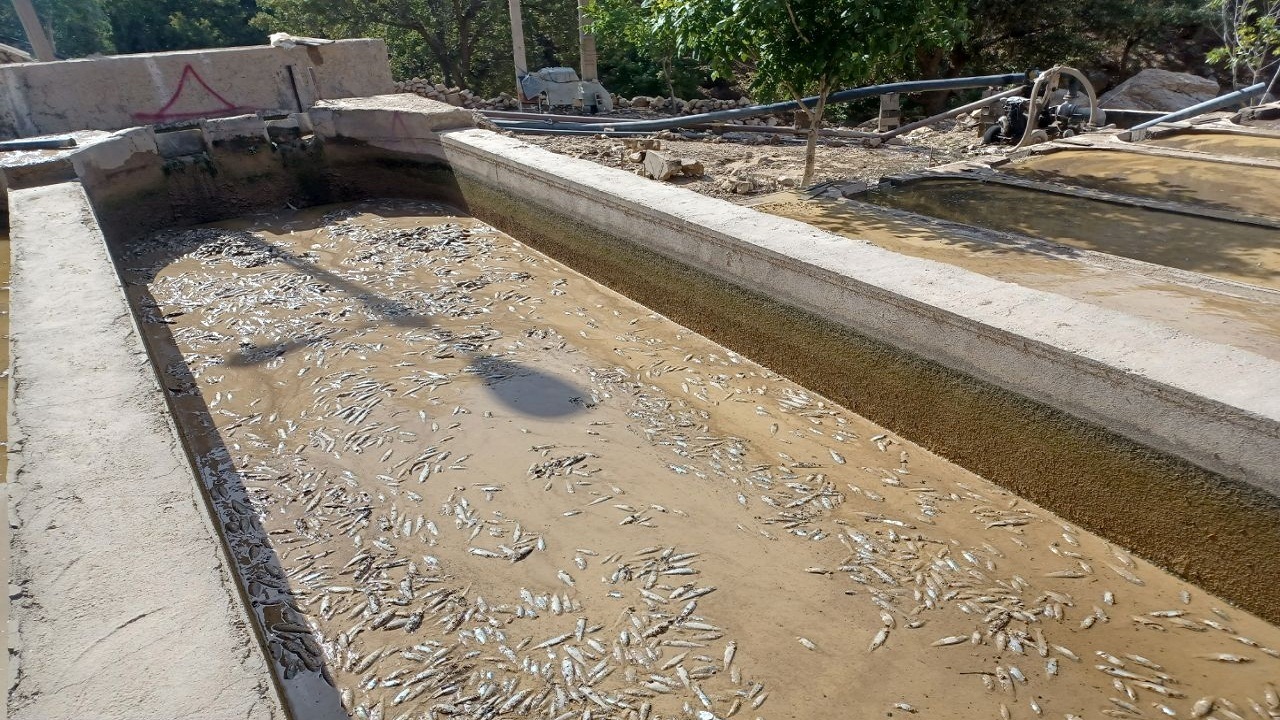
(104, 593)
(369, 384)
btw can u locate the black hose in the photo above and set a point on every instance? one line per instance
(913, 86)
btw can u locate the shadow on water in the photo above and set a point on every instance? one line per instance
(263, 581)
(528, 391)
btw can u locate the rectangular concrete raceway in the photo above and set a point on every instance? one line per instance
(86, 503)
(1213, 405)
(118, 615)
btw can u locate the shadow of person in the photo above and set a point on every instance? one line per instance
(528, 391)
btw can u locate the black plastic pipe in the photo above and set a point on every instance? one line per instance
(913, 86)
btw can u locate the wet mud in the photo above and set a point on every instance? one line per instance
(459, 479)
(1265, 148)
(1220, 185)
(1232, 251)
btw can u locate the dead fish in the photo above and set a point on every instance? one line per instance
(879, 639)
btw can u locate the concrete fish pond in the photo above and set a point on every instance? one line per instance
(458, 477)
(365, 411)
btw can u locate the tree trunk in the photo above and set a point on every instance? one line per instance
(815, 124)
(930, 66)
(666, 75)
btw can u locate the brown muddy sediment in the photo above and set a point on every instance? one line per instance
(1220, 185)
(1215, 312)
(312, 357)
(1266, 148)
(1232, 251)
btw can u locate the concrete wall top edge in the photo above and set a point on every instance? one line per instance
(1232, 377)
(116, 92)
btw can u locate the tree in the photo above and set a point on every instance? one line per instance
(158, 25)
(800, 47)
(76, 27)
(453, 32)
(1250, 33)
(633, 24)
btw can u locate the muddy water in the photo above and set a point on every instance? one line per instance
(460, 479)
(1232, 251)
(1213, 184)
(1252, 324)
(1266, 148)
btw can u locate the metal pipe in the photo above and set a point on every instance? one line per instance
(579, 131)
(948, 114)
(514, 115)
(914, 86)
(824, 132)
(55, 143)
(1207, 106)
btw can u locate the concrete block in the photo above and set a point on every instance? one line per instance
(660, 166)
(180, 142)
(400, 122)
(241, 128)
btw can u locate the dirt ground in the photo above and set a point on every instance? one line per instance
(775, 162)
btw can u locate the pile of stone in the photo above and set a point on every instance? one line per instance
(461, 97)
(654, 162)
(687, 107)
(458, 97)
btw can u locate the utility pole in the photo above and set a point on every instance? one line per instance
(40, 45)
(517, 44)
(586, 43)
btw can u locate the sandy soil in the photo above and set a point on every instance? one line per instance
(462, 480)
(753, 157)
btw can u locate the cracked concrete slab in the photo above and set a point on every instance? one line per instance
(121, 599)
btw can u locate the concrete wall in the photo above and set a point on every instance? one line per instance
(113, 93)
(123, 606)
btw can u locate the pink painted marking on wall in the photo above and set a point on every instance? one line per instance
(165, 114)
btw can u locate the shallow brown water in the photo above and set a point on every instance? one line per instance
(1232, 251)
(1266, 148)
(1198, 182)
(1252, 324)
(464, 480)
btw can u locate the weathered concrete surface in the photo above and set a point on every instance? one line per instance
(1156, 89)
(124, 606)
(122, 91)
(1216, 406)
(400, 122)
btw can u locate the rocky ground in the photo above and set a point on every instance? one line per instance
(740, 167)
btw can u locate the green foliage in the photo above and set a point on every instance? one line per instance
(76, 27)
(795, 48)
(640, 55)
(1011, 35)
(1250, 33)
(457, 42)
(86, 27)
(153, 25)
(798, 47)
